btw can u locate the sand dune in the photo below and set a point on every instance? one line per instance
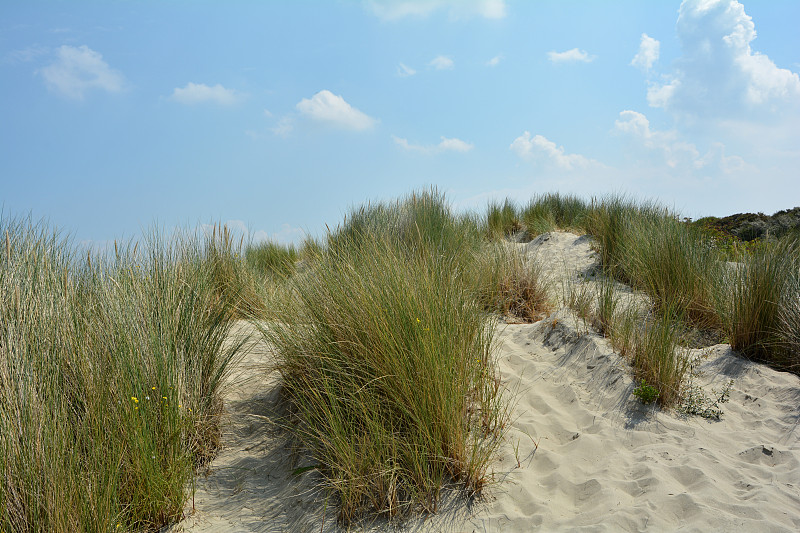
(582, 454)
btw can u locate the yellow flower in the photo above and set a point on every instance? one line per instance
(153, 388)
(164, 397)
(135, 399)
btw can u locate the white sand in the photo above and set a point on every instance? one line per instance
(604, 462)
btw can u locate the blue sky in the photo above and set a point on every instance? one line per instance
(280, 116)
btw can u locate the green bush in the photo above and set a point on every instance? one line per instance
(647, 394)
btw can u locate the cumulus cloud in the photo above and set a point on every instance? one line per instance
(405, 71)
(665, 148)
(200, 93)
(539, 148)
(719, 74)
(456, 9)
(570, 56)
(446, 145)
(79, 69)
(442, 63)
(648, 53)
(331, 108)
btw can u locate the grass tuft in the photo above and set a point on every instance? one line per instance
(386, 362)
(109, 379)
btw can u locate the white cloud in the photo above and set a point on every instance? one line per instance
(284, 127)
(539, 148)
(719, 74)
(665, 148)
(648, 53)
(405, 71)
(570, 56)
(267, 113)
(446, 145)
(456, 9)
(442, 63)
(78, 69)
(286, 235)
(331, 108)
(200, 93)
(493, 62)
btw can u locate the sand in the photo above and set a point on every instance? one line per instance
(582, 454)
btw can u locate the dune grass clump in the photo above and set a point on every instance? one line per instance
(657, 358)
(757, 303)
(551, 211)
(109, 378)
(272, 259)
(386, 362)
(423, 222)
(675, 265)
(235, 278)
(502, 219)
(789, 322)
(511, 286)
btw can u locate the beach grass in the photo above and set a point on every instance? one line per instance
(550, 211)
(272, 259)
(758, 304)
(502, 219)
(110, 369)
(509, 285)
(111, 365)
(386, 360)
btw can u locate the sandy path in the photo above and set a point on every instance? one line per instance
(604, 462)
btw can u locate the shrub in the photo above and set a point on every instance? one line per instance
(647, 394)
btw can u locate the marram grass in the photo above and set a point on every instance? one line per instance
(386, 361)
(109, 377)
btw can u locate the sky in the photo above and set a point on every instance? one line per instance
(278, 117)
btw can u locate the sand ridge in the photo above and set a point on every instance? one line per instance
(581, 453)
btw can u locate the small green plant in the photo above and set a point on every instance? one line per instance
(697, 402)
(647, 394)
